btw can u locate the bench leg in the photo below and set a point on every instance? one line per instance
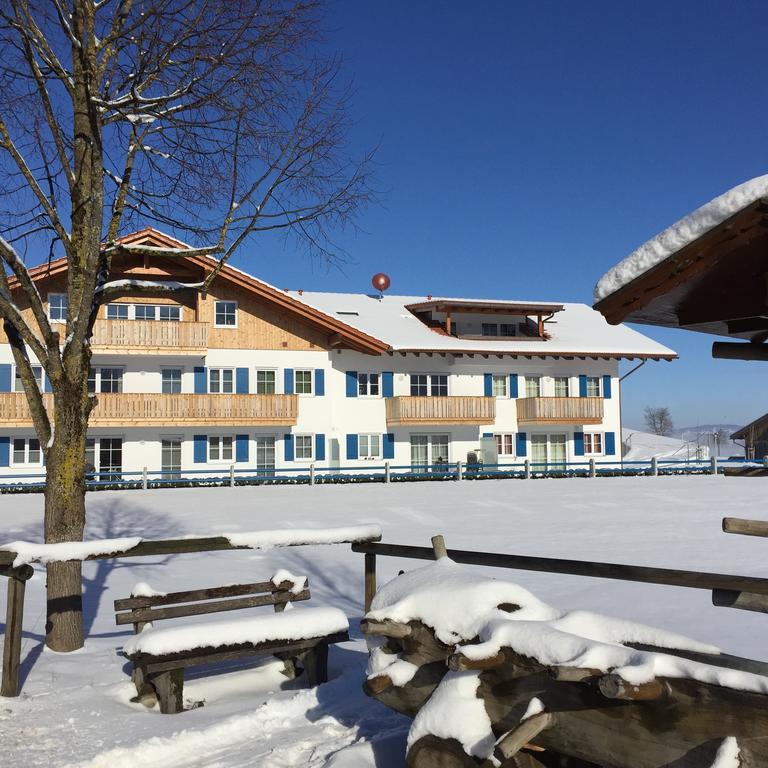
(170, 691)
(145, 692)
(315, 662)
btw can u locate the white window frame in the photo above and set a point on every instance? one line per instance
(221, 380)
(367, 384)
(592, 436)
(504, 378)
(177, 307)
(40, 379)
(119, 305)
(533, 378)
(568, 387)
(224, 325)
(500, 438)
(145, 307)
(371, 456)
(259, 370)
(311, 373)
(25, 462)
(178, 368)
(97, 379)
(429, 377)
(311, 457)
(220, 443)
(599, 380)
(66, 312)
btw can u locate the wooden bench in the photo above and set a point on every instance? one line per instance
(160, 656)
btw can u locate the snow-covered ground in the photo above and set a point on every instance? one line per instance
(643, 446)
(75, 708)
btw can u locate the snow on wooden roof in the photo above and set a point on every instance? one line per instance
(577, 330)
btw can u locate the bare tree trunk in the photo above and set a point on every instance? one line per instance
(65, 517)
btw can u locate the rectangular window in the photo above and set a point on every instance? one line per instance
(111, 380)
(432, 385)
(117, 311)
(304, 447)
(225, 314)
(369, 446)
(303, 382)
(438, 385)
(170, 312)
(490, 329)
(368, 384)
(593, 444)
(507, 329)
(220, 448)
(90, 455)
(593, 386)
(221, 381)
(145, 311)
(562, 386)
(110, 458)
(533, 386)
(171, 381)
(505, 445)
(265, 382)
(27, 451)
(419, 386)
(18, 385)
(57, 307)
(430, 450)
(500, 385)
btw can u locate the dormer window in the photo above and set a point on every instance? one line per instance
(499, 329)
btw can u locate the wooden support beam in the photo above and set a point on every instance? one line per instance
(745, 601)
(511, 743)
(370, 579)
(727, 350)
(385, 628)
(14, 619)
(745, 527)
(458, 662)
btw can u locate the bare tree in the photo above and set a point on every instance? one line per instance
(658, 421)
(217, 119)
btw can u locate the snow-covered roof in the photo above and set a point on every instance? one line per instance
(680, 234)
(578, 329)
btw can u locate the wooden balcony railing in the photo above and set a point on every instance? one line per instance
(159, 410)
(142, 336)
(559, 410)
(461, 409)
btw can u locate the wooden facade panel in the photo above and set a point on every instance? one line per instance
(460, 409)
(560, 410)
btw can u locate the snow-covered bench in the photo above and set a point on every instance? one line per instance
(160, 656)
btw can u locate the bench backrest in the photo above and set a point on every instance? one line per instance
(140, 610)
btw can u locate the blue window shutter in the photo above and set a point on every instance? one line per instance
(351, 446)
(5, 377)
(319, 382)
(351, 383)
(583, 385)
(241, 447)
(610, 443)
(513, 386)
(241, 381)
(520, 441)
(319, 447)
(5, 451)
(200, 448)
(288, 381)
(487, 434)
(47, 383)
(578, 443)
(388, 445)
(488, 384)
(201, 381)
(607, 387)
(388, 384)
(288, 447)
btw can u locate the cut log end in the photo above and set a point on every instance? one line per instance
(513, 741)
(375, 685)
(438, 545)
(615, 687)
(458, 662)
(385, 628)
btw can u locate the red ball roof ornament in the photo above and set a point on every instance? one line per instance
(381, 282)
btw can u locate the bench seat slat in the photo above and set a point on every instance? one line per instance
(216, 606)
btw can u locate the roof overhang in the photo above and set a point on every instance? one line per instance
(485, 307)
(555, 354)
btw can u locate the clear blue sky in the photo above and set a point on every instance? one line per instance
(526, 147)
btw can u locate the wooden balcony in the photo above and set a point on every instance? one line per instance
(138, 337)
(559, 410)
(405, 411)
(158, 410)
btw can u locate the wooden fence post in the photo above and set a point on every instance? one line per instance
(231, 475)
(654, 466)
(370, 579)
(713, 465)
(527, 469)
(592, 472)
(14, 618)
(144, 479)
(312, 473)
(386, 472)
(459, 471)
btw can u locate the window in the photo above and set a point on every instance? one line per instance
(499, 385)
(505, 445)
(368, 384)
(265, 382)
(429, 450)
(303, 385)
(419, 386)
(57, 307)
(111, 380)
(533, 386)
(433, 385)
(170, 312)
(593, 444)
(171, 378)
(499, 329)
(438, 385)
(369, 446)
(304, 447)
(27, 451)
(593, 386)
(490, 329)
(18, 385)
(225, 314)
(221, 381)
(117, 311)
(220, 448)
(145, 312)
(104, 455)
(562, 386)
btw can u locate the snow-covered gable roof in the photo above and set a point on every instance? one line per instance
(682, 233)
(577, 330)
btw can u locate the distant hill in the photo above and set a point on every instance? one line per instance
(684, 442)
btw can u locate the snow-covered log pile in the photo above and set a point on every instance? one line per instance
(495, 677)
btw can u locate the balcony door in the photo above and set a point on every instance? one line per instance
(110, 458)
(548, 452)
(265, 455)
(430, 451)
(171, 458)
